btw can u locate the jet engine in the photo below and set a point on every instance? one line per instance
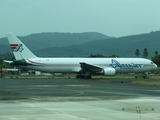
(109, 71)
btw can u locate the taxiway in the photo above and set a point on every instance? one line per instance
(76, 99)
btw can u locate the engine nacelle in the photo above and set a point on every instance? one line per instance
(109, 71)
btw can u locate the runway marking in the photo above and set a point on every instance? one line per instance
(154, 90)
(138, 109)
(78, 85)
(44, 85)
(139, 100)
(111, 92)
(62, 91)
(58, 85)
(66, 114)
(61, 113)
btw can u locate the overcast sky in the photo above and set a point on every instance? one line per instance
(110, 17)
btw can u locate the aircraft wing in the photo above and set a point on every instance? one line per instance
(93, 68)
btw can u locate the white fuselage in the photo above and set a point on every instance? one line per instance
(72, 65)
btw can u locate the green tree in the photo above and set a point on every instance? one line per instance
(113, 56)
(137, 53)
(97, 56)
(102, 56)
(156, 53)
(7, 56)
(156, 60)
(145, 53)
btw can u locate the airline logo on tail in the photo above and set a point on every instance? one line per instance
(17, 47)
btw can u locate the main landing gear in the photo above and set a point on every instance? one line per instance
(84, 76)
(141, 76)
(145, 76)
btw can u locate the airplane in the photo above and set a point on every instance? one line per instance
(84, 67)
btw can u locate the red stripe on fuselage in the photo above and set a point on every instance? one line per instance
(33, 62)
(13, 44)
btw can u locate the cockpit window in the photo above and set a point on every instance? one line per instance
(151, 62)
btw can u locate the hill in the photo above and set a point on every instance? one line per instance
(85, 44)
(122, 46)
(46, 40)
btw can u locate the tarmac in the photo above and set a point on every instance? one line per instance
(78, 99)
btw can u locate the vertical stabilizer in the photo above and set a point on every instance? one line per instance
(19, 50)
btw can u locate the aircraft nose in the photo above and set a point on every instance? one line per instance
(155, 66)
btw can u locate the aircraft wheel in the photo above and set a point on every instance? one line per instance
(89, 77)
(145, 77)
(78, 76)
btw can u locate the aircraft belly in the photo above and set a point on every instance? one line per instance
(125, 70)
(50, 69)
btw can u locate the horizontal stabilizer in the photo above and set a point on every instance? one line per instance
(7, 61)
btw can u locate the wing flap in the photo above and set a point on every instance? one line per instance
(90, 67)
